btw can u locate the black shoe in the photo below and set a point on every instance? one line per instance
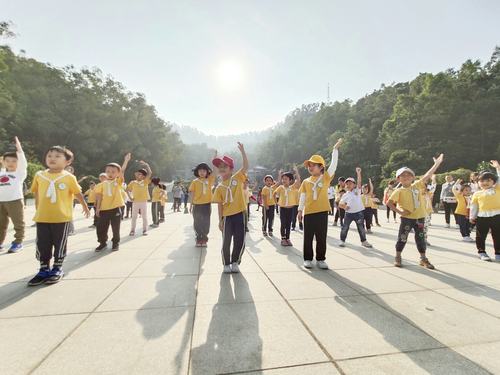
(41, 277)
(101, 246)
(116, 247)
(270, 234)
(56, 274)
(301, 226)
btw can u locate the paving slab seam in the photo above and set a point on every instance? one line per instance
(318, 342)
(39, 363)
(276, 368)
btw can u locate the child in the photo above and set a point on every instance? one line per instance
(268, 203)
(156, 202)
(177, 194)
(109, 200)
(54, 191)
(375, 203)
(410, 202)
(314, 206)
(140, 196)
(448, 199)
(387, 194)
(331, 199)
(294, 194)
(259, 199)
(429, 196)
(367, 199)
(286, 201)
(463, 194)
(90, 194)
(201, 202)
(339, 211)
(12, 196)
(229, 196)
(163, 202)
(352, 203)
(485, 212)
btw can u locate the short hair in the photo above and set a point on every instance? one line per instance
(114, 165)
(341, 179)
(462, 187)
(488, 176)
(68, 154)
(155, 180)
(142, 171)
(10, 154)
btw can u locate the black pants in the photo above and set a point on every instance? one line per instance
(201, 219)
(464, 224)
(268, 219)
(448, 209)
(155, 212)
(177, 204)
(129, 208)
(107, 218)
(339, 214)
(295, 211)
(51, 237)
(234, 230)
(368, 215)
(375, 215)
(286, 221)
(315, 226)
(483, 226)
(162, 212)
(332, 206)
(122, 212)
(404, 231)
(359, 219)
(389, 213)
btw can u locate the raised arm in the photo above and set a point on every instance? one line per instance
(358, 177)
(495, 164)
(148, 169)
(126, 160)
(22, 164)
(297, 176)
(430, 172)
(335, 158)
(244, 169)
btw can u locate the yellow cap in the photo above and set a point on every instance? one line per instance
(316, 159)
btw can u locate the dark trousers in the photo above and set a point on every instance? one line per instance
(51, 237)
(129, 208)
(107, 218)
(368, 215)
(483, 226)
(155, 212)
(389, 213)
(201, 219)
(177, 204)
(295, 211)
(332, 206)
(359, 219)
(448, 209)
(315, 226)
(375, 215)
(162, 212)
(464, 224)
(234, 230)
(268, 219)
(286, 221)
(339, 214)
(405, 228)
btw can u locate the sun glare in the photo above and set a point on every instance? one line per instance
(230, 75)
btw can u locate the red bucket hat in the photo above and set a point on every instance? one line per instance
(224, 160)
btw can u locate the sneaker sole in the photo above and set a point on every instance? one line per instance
(50, 282)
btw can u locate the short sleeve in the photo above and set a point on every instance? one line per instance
(217, 198)
(240, 176)
(419, 184)
(302, 188)
(98, 189)
(191, 186)
(74, 187)
(130, 186)
(395, 196)
(34, 185)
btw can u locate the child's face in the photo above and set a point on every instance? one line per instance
(224, 171)
(449, 178)
(486, 184)
(268, 181)
(139, 176)
(406, 178)
(314, 169)
(473, 177)
(10, 163)
(285, 180)
(349, 185)
(111, 172)
(92, 185)
(56, 160)
(202, 173)
(467, 191)
(342, 184)
(365, 189)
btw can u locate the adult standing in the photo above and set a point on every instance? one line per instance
(448, 199)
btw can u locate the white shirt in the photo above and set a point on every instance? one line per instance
(331, 192)
(11, 183)
(353, 201)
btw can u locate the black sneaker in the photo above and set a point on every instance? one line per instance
(56, 274)
(41, 277)
(101, 246)
(116, 247)
(301, 226)
(271, 234)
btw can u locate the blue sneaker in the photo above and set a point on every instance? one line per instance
(56, 274)
(40, 277)
(15, 247)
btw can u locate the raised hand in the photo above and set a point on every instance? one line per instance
(495, 164)
(127, 157)
(18, 144)
(241, 147)
(358, 170)
(439, 159)
(339, 143)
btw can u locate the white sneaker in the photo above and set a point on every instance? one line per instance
(485, 257)
(342, 244)
(322, 264)
(227, 269)
(447, 226)
(467, 239)
(366, 244)
(235, 268)
(308, 264)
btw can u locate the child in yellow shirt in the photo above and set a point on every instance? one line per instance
(314, 206)
(462, 193)
(200, 190)
(139, 188)
(287, 201)
(163, 203)
(90, 195)
(229, 196)
(156, 196)
(367, 199)
(54, 191)
(485, 212)
(109, 201)
(409, 202)
(268, 204)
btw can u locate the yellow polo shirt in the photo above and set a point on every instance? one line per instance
(156, 194)
(90, 193)
(404, 198)
(202, 189)
(488, 201)
(111, 192)
(293, 195)
(139, 190)
(268, 193)
(322, 203)
(232, 187)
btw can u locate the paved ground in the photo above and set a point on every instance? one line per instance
(160, 305)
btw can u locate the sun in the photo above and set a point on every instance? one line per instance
(230, 75)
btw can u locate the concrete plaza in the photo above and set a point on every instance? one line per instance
(162, 306)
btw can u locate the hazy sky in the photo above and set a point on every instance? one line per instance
(228, 66)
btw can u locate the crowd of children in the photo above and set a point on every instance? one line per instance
(475, 206)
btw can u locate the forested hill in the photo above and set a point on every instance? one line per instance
(456, 112)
